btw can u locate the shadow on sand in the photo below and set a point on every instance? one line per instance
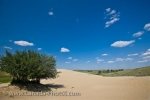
(37, 87)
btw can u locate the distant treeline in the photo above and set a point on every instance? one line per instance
(108, 71)
(141, 71)
(99, 72)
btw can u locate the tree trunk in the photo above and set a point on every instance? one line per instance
(38, 80)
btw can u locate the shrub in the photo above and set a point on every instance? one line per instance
(28, 65)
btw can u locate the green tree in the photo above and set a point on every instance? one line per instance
(28, 65)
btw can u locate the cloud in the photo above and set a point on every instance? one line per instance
(110, 22)
(69, 58)
(134, 54)
(39, 49)
(67, 62)
(112, 17)
(88, 61)
(147, 27)
(98, 60)
(147, 57)
(104, 54)
(51, 13)
(112, 12)
(119, 59)
(142, 61)
(64, 50)
(146, 52)
(129, 59)
(23, 43)
(75, 60)
(121, 44)
(108, 10)
(6, 47)
(110, 61)
(123, 59)
(138, 34)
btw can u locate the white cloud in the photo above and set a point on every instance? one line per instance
(99, 60)
(39, 49)
(110, 61)
(105, 54)
(146, 52)
(128, 59)
(64, 50)
(110, 22)
(88, 61)
(67, 62)
(75, 60)
(69, 58)
(142, 61)
(147, 57)
(119, 59)
(112, 12)
(138, 34)
(134, 54)
(108, 10)
(147, 27)
(123, 59)
(51, 13)
(23, 43)
(112, 17)
(121, 44)
(6, 47)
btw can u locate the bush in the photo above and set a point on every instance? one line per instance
(99, 72)
(28, 65)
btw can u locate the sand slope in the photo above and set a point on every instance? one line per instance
(93, 87)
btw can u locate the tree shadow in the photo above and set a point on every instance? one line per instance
(38, 87)
(43, 87)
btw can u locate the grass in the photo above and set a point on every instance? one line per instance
(144, 71)
(88, 71)
(4, 77)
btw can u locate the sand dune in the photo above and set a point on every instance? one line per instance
(93, 87)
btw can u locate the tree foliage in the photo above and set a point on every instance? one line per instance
(28, 65)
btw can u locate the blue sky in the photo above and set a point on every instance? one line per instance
(81, 34)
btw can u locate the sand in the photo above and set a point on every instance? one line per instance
(93, 87)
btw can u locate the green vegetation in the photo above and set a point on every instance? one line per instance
(26, 66)
(4, 77)
(99, 72)
(144, 71)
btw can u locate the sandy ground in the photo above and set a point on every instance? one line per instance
(93, 87)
